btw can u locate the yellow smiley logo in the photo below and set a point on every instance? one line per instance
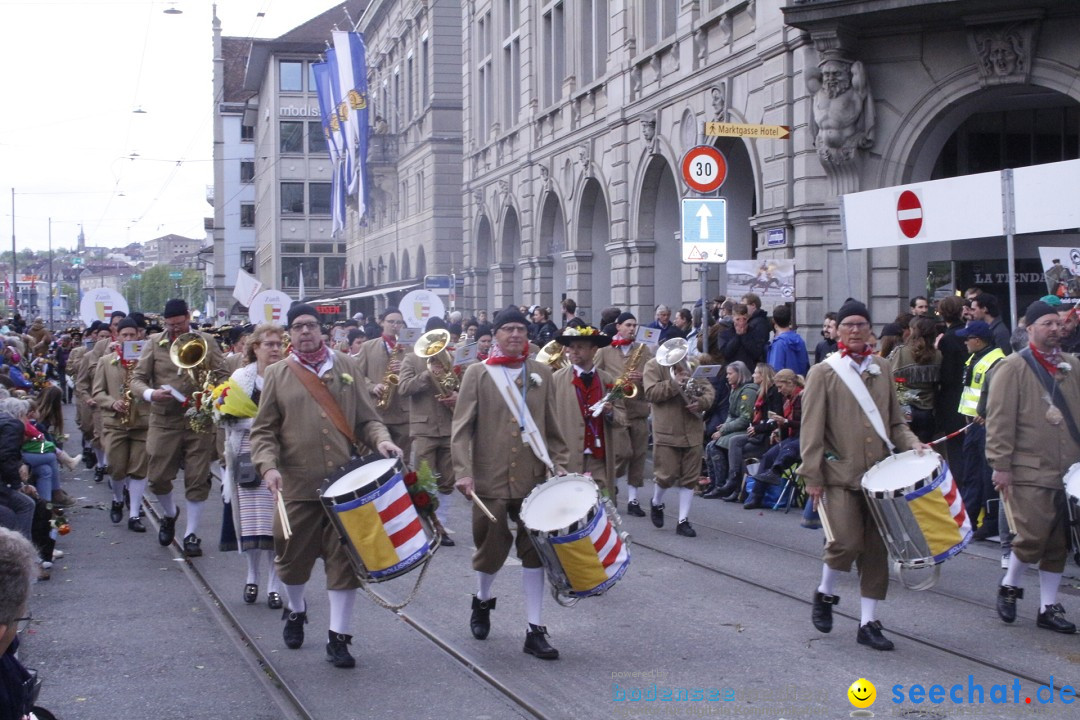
(862, 693)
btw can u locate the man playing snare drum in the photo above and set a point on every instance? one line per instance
(1031, 441)
(295, 445)
(839, 443)
(497, 455)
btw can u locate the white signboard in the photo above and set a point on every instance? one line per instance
(1061, 269)
(270, 306)
(1045, 197)
(704, 230)
(99, 304)
(939, 210)
(465, 354)
(409, 335)
(132, 349)
(419, 305)
(771, 280)
(648, 336)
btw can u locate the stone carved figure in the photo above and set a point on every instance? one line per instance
(718, 102)
(648, 132)
(1004, 52)
(843, 117)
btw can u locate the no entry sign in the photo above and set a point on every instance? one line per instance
(909, 214)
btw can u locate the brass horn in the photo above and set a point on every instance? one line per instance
(672, 352)
(188, 351)
(432, 346)
(554, 356)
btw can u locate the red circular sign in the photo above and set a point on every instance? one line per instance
(704, 168)
(909, 214)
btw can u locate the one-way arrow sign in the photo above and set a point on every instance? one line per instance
(704, 230)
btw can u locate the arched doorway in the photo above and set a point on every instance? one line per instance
(483, 280)
(405, 269)
(657, 223)
(739, 191)
(421, 263)
(549, 274)
(507, 281)
(593, 293)
(393, 268)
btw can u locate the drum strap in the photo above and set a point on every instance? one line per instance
(530, 433)
(322, 396)
(1051, 387)
(843, 369)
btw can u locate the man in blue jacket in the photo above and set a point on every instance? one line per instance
(787, 349)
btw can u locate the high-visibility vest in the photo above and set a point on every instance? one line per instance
(969, 399)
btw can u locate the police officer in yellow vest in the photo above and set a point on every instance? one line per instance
(974, 472)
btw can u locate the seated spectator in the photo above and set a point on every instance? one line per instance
(743, 344)
(785, 453)
(15, 496)
(757, 438)
(741, 397)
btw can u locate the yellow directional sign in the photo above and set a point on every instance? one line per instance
(722, 129)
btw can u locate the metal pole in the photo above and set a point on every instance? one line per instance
(14, 262)
(1009, 208)
(50, 277)
(703, 269)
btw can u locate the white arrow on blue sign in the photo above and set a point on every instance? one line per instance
(704, 230)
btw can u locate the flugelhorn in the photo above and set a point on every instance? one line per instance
(432, 346)
(188, 352)
(671, 355)
(554, 356)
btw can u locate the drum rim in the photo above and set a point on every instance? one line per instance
(362, 490)
(551, 483)
(892, 460)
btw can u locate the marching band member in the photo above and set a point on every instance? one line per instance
(483, 342)
(125, 422)
(505, 440)
(295, 443)
(83, 387)
(170, 439)
(632, 440)
(577, 389)
(1031, 441)
(678, 437)
(431, 415)
(839, 443)
(380, 359)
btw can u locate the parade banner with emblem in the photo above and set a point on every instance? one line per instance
(771, 280)
(353, 110)
(270, 306)
(419, 305)
(100, 303)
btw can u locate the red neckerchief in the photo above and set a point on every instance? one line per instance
(587, 397)
(759, 407)
(621, 341)
(1048, 360)
(789, 410)
(391, 342)
(498, 357)
(313, 359)
(845, 351)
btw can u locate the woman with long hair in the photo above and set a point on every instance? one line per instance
(786, 425)
(248, 522)
(741, 396)
(755, 441)
(916, 368)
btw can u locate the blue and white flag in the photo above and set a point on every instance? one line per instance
(353, 110)
(324, 82)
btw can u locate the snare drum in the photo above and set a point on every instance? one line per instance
(917, 508)
(368, 503)
(577, 535)
(1072, 503)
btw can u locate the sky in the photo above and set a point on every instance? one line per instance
(71, 146)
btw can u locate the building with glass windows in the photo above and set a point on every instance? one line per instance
(578, 114)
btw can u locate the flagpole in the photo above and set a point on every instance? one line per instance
(50, 278)
(14, 266)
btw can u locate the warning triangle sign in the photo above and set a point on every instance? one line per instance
(695, 253)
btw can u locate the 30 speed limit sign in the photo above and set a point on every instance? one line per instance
(704, 168)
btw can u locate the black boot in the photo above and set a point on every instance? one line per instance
(116, 512)
(821, 613)
(1053, 618)
(536, 643)
(870, 634)
(480, 622)
(634, 508)
(756, 498)
(337, 650)
(293, 634)
(1006, 602)
(722, 491)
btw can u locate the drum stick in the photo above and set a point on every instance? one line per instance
(483, 508)
(950, 436)
(286, 528)
(825, 525)
(1008, 515)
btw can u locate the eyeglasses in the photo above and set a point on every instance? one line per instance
(514, 329)
(855, 325)
(22, 623)
(271, 345)
(301, 326)
(1050, 324)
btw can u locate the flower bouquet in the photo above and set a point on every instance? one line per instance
(423, 487)
(230, 402)
(199, 411)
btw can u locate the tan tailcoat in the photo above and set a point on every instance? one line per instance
(572, 423)
(125, 445)
(427, 416)
(372, 361)
(156, 368)
(612, 361)
(673, 424)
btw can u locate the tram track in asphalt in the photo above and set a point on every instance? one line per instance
(920, 640)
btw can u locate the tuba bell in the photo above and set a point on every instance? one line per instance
(554, 356)
(672, 354)
(432, 346)
(188, 352)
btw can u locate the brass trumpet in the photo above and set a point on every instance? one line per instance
(432, 346)
(554, 356)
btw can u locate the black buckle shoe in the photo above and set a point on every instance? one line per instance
(337, 651)
(445, 541)
(656, 513)
(167, 531)
(1053, 618)
(870, 634)
(685, 529)
(536, 643)
(821, 613)
(251, 593)
(480, 622)
(116, 512)
(99, 473)
(192, 546)
(273, 600)
(1006, 602)
(634, 508)
(136, 525)
(293, 634)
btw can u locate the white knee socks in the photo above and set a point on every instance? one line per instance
(118, 491)
(341, 610)
(168, 507)
(443, 511)
(272, 582)
(484, 581)
(1048, 588)
(194, 512)
(686, 495)
(253, 558)
(532, 583)
(295, 593)
(1012, 575)
(100, 455)
(136, 490)
(828, 580)
(869, 610)
(657, 494)
(631, 493)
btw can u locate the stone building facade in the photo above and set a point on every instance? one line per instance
(577, 114)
